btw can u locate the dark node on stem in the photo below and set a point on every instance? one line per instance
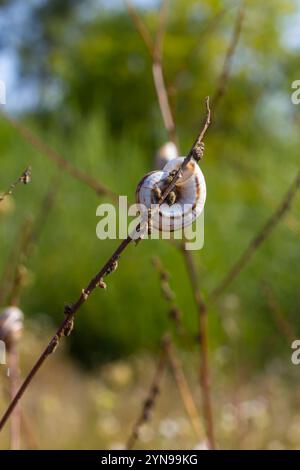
(68, 309)
(26, 176)
(175, 313)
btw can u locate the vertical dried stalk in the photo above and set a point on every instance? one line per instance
(24, 178)
(155, 50)
(150, 400)
(283, 325)
(225, 73)
(181, 381)
(204, 374)
(183, 387)
(259, 238)
(14, 380)
(175, 313)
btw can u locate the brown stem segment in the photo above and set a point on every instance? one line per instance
(14, 378)
(259, 238)
(150, 400)
(183, 387)
(204, 373)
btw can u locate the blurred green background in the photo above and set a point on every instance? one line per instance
(88, 76)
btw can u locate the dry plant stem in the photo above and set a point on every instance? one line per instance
(149, 402)
(183, 387)
(155, 50)
(61, 162)
(21, 179)
(70, 311)
(275, 309)
(225, 73)
(14, 379)
(259, 238)
(181, 381)
(11, 263)
(203, 343)
(175, 313)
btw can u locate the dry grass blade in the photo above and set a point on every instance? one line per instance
(225, 73)
(24, 178)
(183, 387)
(179, 376)
(204, 374)
(60, 161)
(175, 313)
(259, 238)
(155, 51)
(275, 310)
(140, 26)
(150, 400)
(97, 281)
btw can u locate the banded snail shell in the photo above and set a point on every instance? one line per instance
(188, 197)
(164, 154)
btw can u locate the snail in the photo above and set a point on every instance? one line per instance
(183, 204)
(11, 325)
(164, 154)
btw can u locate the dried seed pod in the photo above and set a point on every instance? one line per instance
(184, 203)
(11, 325)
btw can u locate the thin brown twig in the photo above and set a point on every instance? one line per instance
(13, 273)
(141, 27)
(24, 178)
(275, 310)
(155, 50)
(204, 373)
(12, 260)
(183, 387)
(150, 400)
(60, 161)
(259, 238)
(70, 310)
(179, 376)
(226, 69)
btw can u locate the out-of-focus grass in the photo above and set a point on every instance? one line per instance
(67, 408)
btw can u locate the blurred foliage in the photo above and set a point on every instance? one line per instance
(98, 108)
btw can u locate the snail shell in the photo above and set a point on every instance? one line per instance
(164, 154)
(11, 324)
(183, 205)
